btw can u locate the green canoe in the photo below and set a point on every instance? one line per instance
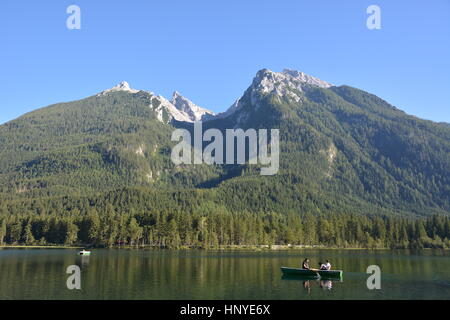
(327, 274)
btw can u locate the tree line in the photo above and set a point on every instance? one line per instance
(212, 226)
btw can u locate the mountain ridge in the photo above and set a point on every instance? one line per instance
(341, 148)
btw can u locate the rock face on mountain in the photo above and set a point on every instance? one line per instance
(161, 105)
(286, 84)
(194, 112)
(341, 149)
(179, 108)
(123, 86)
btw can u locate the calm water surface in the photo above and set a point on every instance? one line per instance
(192, 274)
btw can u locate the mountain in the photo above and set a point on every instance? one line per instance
(123, 86)
(347, 143)
(119, 137)
(289, 83)
(165, 110)
(194, 112)
(342, 150)
(178, 108)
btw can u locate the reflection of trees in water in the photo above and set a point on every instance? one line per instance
(164, 274)
(84, 262)
(33, 274)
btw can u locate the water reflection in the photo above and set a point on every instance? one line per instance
(164, 274)
(308, 282)
(326, 284)
(84, 262)
(307, 286)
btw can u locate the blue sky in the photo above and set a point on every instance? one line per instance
(210, 50)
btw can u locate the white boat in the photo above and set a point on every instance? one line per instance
(84, 252)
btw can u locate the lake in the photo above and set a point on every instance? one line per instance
(197, 274)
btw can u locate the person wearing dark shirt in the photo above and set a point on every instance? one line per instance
(305, 264)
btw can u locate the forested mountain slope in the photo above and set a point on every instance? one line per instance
(343, 150)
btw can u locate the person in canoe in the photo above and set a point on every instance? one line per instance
(305, 264)
(325, 266)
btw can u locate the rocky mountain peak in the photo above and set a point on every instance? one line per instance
(186, 106)
(267, 81)
(122, 86)
(286, 84)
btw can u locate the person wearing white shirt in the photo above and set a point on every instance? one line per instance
(325, 266)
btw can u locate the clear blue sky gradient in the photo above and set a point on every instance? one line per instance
(210, 50)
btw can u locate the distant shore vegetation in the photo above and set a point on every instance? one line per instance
(136, 222)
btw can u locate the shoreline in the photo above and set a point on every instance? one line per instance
(38, 247)
(220, 248)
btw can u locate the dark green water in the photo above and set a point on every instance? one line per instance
(163, 274)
